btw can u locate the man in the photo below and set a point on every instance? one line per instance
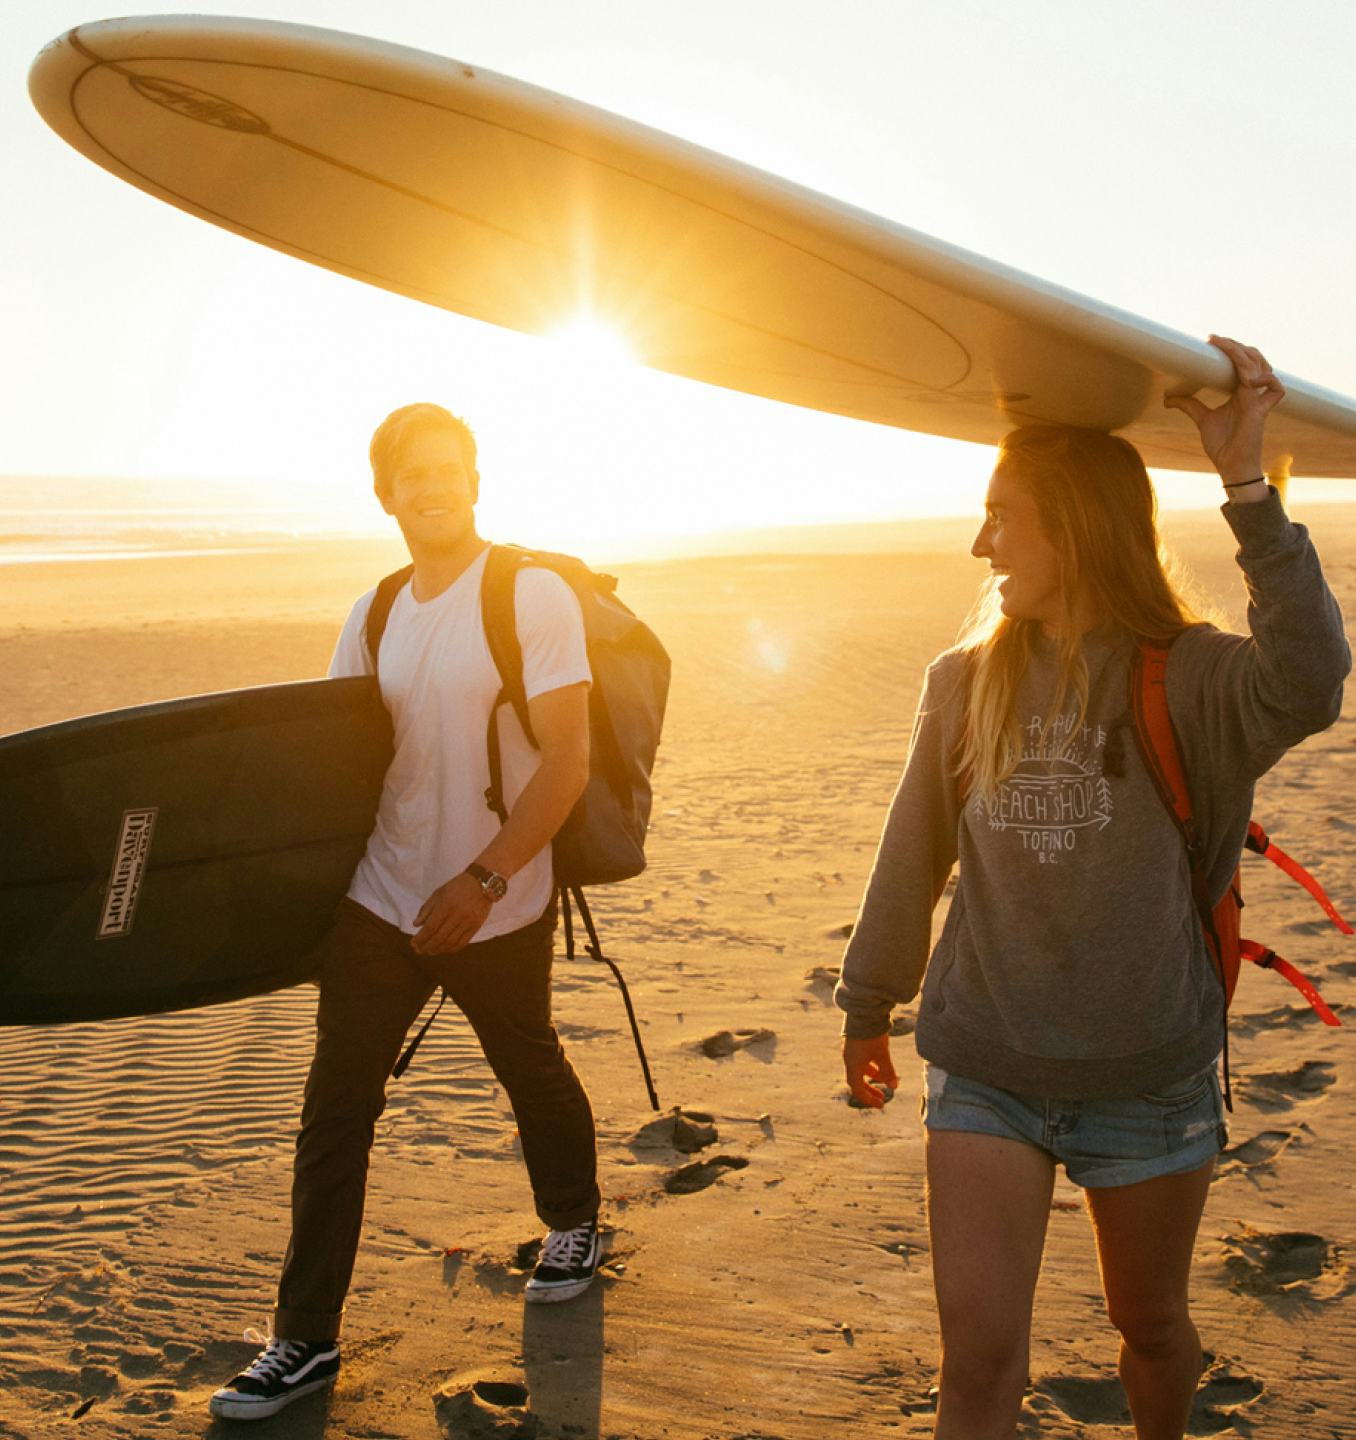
(444, 896)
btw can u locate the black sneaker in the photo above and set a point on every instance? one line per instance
(283, 1371)
(567, 1265)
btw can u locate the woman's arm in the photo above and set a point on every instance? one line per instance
(888, 952)
(1254, 696)
(892, 936)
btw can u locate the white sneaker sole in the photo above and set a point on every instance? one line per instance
(565, 1290)
(243, 1407)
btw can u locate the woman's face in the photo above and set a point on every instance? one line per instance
(1012, 540)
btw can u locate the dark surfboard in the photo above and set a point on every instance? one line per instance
(183, 853)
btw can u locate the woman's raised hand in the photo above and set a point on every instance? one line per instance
(1232, 433)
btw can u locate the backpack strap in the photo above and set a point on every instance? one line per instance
(1157, 741)
(1260, 843)
(594, 949)
(499, 617)
(379, 612)
(403, 1063)
(1268, 959)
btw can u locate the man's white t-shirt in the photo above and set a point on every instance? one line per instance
(439, 682)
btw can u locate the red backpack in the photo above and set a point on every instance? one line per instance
(1220, 922)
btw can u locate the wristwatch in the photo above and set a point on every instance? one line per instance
(494, 886)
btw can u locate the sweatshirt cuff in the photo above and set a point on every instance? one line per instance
(1262, 528)
(859, 1026)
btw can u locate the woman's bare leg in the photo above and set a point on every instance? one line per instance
(988, 1207)
(1145, 1235)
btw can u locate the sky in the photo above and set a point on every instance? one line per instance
(1192, 163)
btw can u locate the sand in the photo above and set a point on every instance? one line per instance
(783, 1291)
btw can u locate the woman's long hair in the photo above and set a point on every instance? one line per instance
(1098, 510)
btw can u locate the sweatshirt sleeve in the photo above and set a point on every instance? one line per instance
(1254, 696)
(891, 939)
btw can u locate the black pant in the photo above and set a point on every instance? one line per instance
(372, 987)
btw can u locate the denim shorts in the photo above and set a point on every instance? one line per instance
(1099, 1142)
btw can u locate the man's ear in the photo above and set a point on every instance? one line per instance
(475, 486)
(383, 495)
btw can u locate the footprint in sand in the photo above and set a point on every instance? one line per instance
(686, 1131)
(1097, 1400)
(1344, 967)
(1225, 1390)
(1279, 1089)
(1261, 1150)
(485, 1410)
(1086, 1399)
(159, 1403)
(702, 1173)
(1284, 1262)
(726, 1042)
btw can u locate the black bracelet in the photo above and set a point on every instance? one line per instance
(1241, 484)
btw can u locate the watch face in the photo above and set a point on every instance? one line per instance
(495, 886)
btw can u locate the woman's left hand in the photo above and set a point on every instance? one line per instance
(1232, 433)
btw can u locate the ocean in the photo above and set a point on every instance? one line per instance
(46, 518)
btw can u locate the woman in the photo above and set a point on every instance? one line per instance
(1070, 1012)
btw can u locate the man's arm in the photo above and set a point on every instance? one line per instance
(454, 912)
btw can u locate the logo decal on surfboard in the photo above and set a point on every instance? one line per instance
(197, 104)
(129, 865)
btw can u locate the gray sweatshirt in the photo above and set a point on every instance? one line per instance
(1072, 962)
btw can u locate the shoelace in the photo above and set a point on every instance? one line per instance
(562, 1248)
(274, 1359)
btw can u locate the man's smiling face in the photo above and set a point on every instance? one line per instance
(431, 492)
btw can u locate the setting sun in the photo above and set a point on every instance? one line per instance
(593, 343)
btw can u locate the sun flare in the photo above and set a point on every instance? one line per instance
(592, 343)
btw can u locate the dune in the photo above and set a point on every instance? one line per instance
(767, 1271)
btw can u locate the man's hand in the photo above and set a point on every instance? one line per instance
(867, 1060)
(451, 916)
(1232, 432)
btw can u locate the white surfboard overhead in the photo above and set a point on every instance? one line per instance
(503, 201)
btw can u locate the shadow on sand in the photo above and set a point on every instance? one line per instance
(563, 1363)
